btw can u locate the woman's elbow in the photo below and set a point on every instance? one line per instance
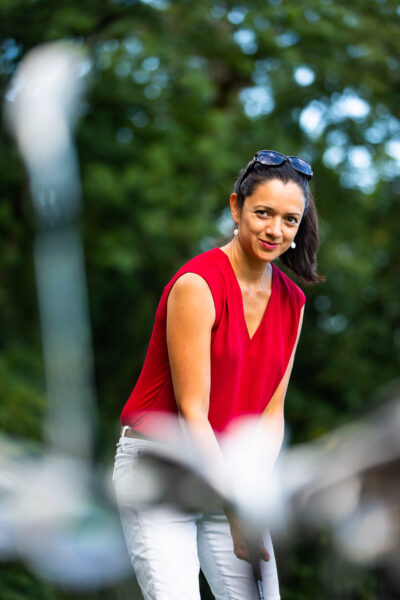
(193, 412)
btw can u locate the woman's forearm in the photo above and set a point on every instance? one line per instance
(200, 435)
(202, 442)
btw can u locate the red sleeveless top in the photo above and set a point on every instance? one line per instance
(245, 372)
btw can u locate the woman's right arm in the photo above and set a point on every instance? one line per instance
(190, 317)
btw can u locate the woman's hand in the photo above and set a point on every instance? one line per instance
(250, 550)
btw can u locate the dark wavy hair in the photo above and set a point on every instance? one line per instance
(302, 260)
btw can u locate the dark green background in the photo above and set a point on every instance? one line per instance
(181, 95)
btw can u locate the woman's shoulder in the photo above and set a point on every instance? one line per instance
(288, 288)
(206, 266)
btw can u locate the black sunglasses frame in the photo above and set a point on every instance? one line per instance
(265, 157)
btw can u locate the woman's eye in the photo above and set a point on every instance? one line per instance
(262, 213)
(292, 220)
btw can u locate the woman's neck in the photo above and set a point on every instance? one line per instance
(248, 270)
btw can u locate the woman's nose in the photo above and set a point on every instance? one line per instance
(274, 227)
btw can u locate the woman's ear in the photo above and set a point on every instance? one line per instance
(235, 210)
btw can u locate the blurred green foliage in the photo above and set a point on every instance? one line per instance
(181, 95)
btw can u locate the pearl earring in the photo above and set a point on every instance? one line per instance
(236, 230)
(293, 245)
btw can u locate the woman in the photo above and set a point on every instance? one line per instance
(222, 347)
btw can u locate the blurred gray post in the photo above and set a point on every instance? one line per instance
(41, 106)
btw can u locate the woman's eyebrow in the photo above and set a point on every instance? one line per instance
(264, 206)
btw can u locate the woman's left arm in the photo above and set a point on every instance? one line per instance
(272, 418)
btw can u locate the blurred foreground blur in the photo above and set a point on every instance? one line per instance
(57, 511)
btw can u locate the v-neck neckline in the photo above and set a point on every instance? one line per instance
(239, 290)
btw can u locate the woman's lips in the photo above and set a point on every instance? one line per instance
(268, 245)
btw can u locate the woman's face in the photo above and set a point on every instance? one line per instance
(269, 219)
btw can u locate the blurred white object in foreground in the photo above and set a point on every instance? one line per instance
(350, 479)
(55, 517)
(43, 99)
(53, 513)
(347, 480)
(41, 107)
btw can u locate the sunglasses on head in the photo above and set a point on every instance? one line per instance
(270, 158)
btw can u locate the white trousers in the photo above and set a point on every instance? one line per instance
(167, 547)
